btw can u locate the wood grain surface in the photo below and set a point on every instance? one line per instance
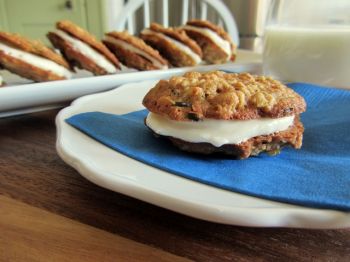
(31, 172)
(31, 234)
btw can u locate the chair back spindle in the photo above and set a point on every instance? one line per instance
(165, 14)
(146, 14)
(223, 16)
(204, 11)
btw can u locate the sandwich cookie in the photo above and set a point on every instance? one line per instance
(133, 52)
(174, 45)
(82, 49)
(31, 59)
(216, 44)
(239, 115)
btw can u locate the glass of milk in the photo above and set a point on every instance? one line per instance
(308, 41)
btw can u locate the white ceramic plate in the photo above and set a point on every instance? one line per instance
(110, 169)
(23, 96)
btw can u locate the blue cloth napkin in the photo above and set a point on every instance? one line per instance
(318, 175)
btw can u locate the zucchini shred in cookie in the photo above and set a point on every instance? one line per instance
(216, 112)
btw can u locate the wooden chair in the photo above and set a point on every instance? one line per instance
(126, 18)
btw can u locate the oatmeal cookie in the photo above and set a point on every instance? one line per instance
(134, 52)
(31, 59)
(216, 44)
(173, 44)
(221, 95)
(82, 49)
(239, 115)
(271, 144)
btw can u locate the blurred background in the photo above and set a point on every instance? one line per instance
(34, 18)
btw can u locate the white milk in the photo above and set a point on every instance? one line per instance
(314, 55)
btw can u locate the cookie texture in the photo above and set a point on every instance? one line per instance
(178, 35)
(271, 144)
(211, 52)
(169, 50)
(219, 95)
(132, 59)
(206, 24)
(86, 37)
(33, 47)
(75, 58)
(27, 70)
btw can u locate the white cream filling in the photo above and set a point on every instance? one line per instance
(37, 61)
(184, 48)
(135, 50)
(213, 36)
(1, 80)
(88, 51)
(217, 132)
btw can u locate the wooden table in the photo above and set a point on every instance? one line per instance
(48, 212)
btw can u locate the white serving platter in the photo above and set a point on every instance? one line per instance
(112, 170)
(22, 96)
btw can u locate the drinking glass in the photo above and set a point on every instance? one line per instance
(308, 41)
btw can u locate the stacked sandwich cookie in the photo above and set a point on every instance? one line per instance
(216, 44)
(156, 48)
(133, 52)
(82, 49)
(31, 59)
(236, 114)
(174, 45)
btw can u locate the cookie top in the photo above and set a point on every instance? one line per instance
(138, 43)
(219, 95)
(33, 47)
(217, 29)
(177, 34)
(86, 37)
(206, 24)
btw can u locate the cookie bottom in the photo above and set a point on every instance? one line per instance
(130, 59)
(211, 52)
(73, 57)
(26, 70)
(169, 51)
(270, 144)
